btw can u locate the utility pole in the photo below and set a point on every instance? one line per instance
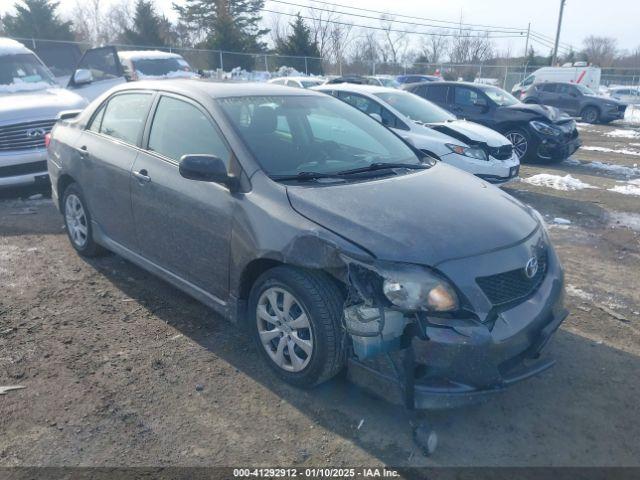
(554, 58)
(526, 45)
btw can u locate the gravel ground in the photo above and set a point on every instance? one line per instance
(121, 369)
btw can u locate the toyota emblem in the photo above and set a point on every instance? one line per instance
(531, 268)
(36, 132)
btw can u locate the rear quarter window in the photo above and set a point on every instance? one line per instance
(436, 93)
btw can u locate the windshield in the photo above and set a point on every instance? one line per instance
(23, 72)
(389, 82)
(160, 66)
(585, 90)
(415, 108)
(311, 83)
(499, 96)
(293, 134)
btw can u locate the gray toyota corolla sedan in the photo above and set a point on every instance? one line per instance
(333, 241)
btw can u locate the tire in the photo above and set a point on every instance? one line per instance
(590, 114)
(516, 136)
(77, 222)
(318, 298)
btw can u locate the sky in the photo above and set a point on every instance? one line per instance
(619, 19)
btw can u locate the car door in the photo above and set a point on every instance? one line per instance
(98, 70)
(373, 108)
(467, 104)
(108, 148)
(569, 98)
(548, 94)
(184, 226)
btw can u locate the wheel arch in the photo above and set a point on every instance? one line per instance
(63, 182)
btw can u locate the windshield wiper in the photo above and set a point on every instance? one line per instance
(305, 176)
(383, 166)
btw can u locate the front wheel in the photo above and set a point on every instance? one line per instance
(521, 141)
(590, 115)
(295, 317)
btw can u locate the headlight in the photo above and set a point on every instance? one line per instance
(544, 128)
(473, 152)
(419, 290)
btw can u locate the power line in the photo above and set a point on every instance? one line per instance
(412, 32)
(393, 20)
(512, 29)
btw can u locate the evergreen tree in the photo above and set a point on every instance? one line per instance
(230, 25)
(147, 26)
(299, 43)
(37, 19)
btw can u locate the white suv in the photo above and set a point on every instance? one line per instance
(30, 103)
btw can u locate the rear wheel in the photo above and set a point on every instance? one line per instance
(296, 322)
(590, 115)
(77, 221)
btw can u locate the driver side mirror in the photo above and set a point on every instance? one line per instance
(376, 116)
(82, 76)
(207, 168)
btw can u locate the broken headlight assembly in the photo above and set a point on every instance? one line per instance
(409, 288)
(472, 152)
(544, 128)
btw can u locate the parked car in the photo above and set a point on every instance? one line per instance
(537, 132)
(626, 95)
(330, 238)
(576, 100)
(383, 81)
(579, 73)
(30, 103)
(355, 79)
(434, 131)
(101, 68)
(418, 78)
(298, 82)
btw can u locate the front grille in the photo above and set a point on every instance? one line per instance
(501, 153)
(24, 136)
(23, 169)
(569, 129)
(513, 285)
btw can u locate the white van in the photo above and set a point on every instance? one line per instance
(579, 72)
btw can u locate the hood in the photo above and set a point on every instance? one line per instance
(551, 114)
(471, 133)
(38, 104)
(605, 99)
(425, 218)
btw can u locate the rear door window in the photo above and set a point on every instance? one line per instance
(436, 93)
(465, 97)
(180, 128)
(124, 116)
(549, 87)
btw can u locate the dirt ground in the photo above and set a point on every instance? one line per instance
(121, 369)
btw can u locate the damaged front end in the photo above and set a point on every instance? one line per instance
(417, 341)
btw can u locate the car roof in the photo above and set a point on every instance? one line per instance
(145, 54)
(299, 79)
(356, 87)
(214, 89)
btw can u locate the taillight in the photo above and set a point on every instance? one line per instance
(47, 139)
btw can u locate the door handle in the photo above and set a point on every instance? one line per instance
(83, 151)
(142, 176)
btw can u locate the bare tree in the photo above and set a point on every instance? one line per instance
(96, 25)
(434, 47)
(601, 51)
(338, 41)
(322, 27)
(396, 43)
(467, 48)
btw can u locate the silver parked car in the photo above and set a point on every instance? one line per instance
(335, 242)
(30, 103)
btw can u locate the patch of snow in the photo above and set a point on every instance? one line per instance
(21, 86)
(11, 47)
(630, 188)
(146, 55)
(632, 115)
(623, 133)
(624, 219)
(606, 167)
(574, 291)
(623, 151)
(557, 182)
(561, 221)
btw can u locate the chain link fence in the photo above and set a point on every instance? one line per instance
(62, 56)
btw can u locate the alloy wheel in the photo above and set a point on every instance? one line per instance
(76, 220)
(520, 143)
(284, 329)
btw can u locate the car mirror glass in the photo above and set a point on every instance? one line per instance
(82, 76)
